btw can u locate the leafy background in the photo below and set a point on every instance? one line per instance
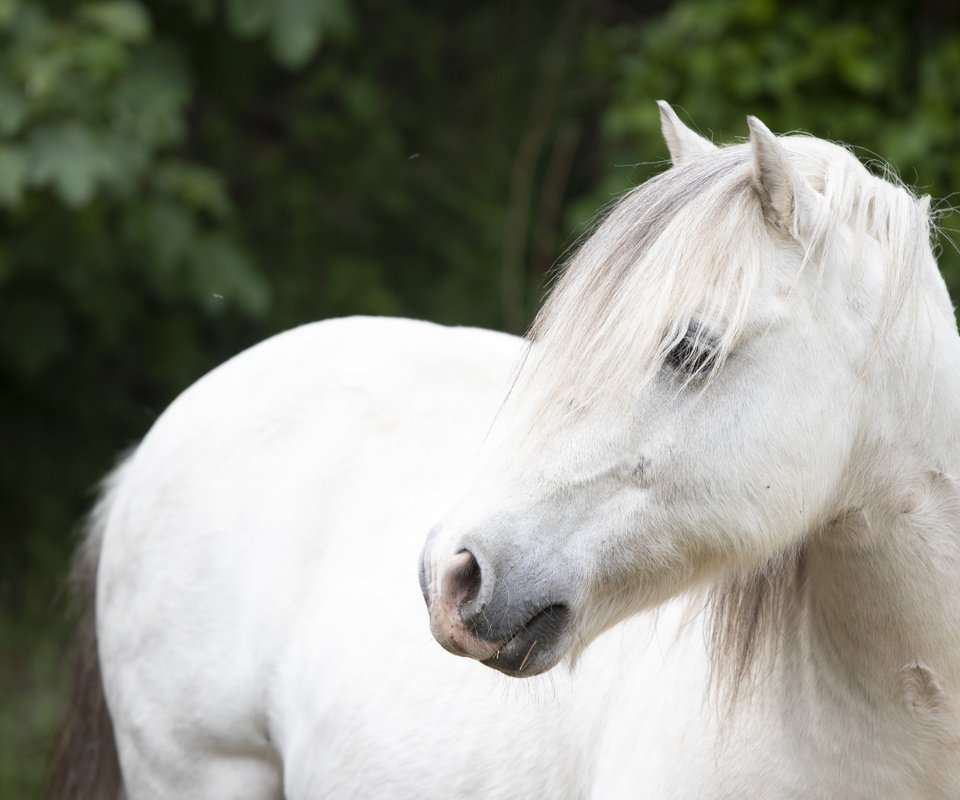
(181, 178)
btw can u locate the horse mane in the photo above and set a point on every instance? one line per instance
(690, 245)
(745, 612)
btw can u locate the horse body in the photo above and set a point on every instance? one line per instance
(206, 707)
(228, 675)
(719, 488)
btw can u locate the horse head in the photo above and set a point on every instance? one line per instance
(699, 395)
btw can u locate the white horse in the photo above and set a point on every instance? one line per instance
(740, 407)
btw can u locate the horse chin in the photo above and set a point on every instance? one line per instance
(536, 647)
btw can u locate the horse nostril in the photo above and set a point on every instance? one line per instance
(461, 581)
(467, 578)
(466, 588)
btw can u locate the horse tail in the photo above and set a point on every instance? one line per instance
(85, 763)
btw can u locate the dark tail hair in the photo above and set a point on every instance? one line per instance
(85, 763)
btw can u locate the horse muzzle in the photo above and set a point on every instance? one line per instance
(519, 628)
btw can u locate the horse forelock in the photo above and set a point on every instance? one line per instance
(677, 249)
(658, 262)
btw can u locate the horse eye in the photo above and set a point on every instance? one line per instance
(693, 355)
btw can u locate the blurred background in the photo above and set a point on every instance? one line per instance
(182, 178)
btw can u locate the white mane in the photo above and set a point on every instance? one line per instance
(689, 246)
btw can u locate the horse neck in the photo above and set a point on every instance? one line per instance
(879, 601)
(882, 588)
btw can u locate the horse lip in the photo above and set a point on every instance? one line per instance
(533, 648)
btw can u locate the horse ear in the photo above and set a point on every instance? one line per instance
(787, 199)
(682, 142)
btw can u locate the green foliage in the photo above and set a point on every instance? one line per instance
(89, 112)
(180, 178)
(294, 28)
